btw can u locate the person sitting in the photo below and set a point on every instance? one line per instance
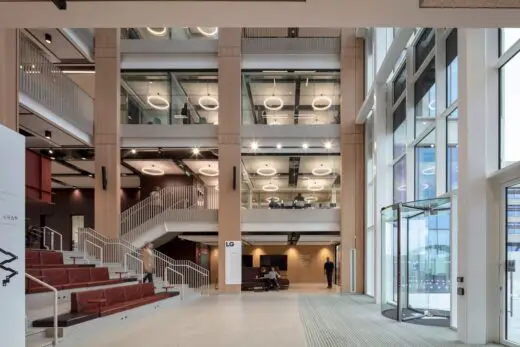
(299, 201)
(273, 278)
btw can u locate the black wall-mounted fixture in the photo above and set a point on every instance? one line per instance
(234, 178)
(48, 134)
(48, 38)
(104, 177)
(60, 4)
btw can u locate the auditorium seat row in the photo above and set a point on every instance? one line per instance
(44, 259)
(103, 302)
(69, 278)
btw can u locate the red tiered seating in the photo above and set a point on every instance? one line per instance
(69, 278)
(38, 259)
(104, 302)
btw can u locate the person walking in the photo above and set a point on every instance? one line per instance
(329, 270)
(147, 258)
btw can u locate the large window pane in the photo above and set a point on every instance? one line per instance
(399, 83)
(452, 151)
(512, 291)
(400, 181)
(424, 46)
(425, 110)
(510, 115)
(452, 65)
(399, 127)
(508, 37)
(425, 168)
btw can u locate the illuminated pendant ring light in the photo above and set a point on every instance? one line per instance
(152, 171)
(266, 171)
(270, 187)
(274, 198)
(208, 171)
(208, 33)
(321, 171)
(158, 102)
(275, 99)
(315, 187)
(209, 103)
(161, 32)
(319, 99)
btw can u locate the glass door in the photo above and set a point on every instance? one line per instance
(512, 263)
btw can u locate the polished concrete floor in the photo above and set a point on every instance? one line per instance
(303, 316)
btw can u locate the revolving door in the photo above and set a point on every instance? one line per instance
(416, 262)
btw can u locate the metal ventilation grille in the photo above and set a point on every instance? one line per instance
(290, 32)
(499, 4)
(298, 45)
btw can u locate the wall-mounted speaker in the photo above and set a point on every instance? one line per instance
(234, 178)
(104, 177)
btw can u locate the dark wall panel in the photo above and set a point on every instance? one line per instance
(180, 249)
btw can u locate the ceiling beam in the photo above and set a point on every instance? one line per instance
(297, 97)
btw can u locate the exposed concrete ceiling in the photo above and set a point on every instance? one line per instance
(310, 13)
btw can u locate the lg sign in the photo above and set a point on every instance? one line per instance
(230, 243)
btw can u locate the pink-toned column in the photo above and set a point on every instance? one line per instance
(107, 132)
(352, 163)
(229, 83)
(9, 79)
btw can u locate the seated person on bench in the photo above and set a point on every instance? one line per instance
(273, 277)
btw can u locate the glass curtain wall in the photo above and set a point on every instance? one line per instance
(369, 201)
(512, 278)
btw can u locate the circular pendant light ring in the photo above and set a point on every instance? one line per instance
(209, 103)
(276, 99)
(158, 102)
(320, 99)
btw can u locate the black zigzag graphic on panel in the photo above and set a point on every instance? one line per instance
(12, 272)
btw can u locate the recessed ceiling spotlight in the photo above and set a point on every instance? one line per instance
(278, 146)
(305, 145)
(48, 134)
(254, 145)
(48, 38)
(133, 151)
(195, 151)
(52, 158)
(50, 151)
(90, 175)
(328, 145)
(83, 158)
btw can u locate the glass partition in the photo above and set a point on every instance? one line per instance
(165, 33)
(416, 262)
(290, 98)
(161, 97)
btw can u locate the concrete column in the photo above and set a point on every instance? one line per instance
(107, 132)
(230, 100)
(9, 77)
(352, 161)
(477, 240)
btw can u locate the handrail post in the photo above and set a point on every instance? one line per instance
(55, 318)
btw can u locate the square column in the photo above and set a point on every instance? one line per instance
(9, 77)
(107, 200)
(229, 139)
(477, 311)
(352, 164)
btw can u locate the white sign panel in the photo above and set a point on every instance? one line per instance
(233, 262)
(12, 238)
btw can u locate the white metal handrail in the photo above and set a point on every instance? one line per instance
(140, 274)
(55, 316)
(166, 269)
(97, 246)
(195, 275)
(52, 233)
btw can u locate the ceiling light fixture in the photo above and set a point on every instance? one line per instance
(266, 171)
(48, 134)
(317, 101)
(213, 104)
(208, 171)
(50, 151)
(321, 171)
(158, 102)
(328, 145)
(315, 187)
(152, 171)
(48, 38)
(269, 101)
(273, 198)
(133, 150)
(305, 145)
(270, 187)
(278, 146)
(83, 158)
(208, 31)
(195, 151)
(160, 32)
(52, 158)
(254, 145)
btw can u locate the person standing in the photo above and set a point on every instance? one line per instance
(329, 270)
(147, 258)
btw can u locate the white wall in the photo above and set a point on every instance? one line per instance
(12, 239)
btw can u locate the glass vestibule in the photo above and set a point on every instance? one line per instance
(416, 262)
